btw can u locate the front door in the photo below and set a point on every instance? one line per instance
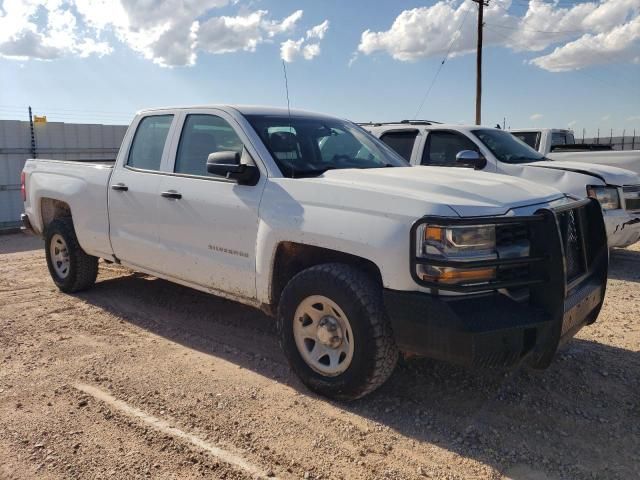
(442, 146)
(209, 224)
(133, 194)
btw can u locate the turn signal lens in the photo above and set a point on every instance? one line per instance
(433, 234)
(450, 275)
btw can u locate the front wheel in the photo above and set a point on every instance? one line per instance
(334, 330)
(71, 269)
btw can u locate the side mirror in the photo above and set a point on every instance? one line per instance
(227, 164)
(471, 158)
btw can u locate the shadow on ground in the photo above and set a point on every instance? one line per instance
(580, 417)
(624, 264)
(19, 242)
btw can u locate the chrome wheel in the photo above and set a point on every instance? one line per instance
(323, 335)
(59, 256)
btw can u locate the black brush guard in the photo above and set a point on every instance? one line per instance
(566, 273)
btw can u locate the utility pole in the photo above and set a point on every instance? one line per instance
(33, 134)
(481, 5)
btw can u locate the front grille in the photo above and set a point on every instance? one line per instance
(511, 234)
(631, 197)
(571, 232)
(512, 241)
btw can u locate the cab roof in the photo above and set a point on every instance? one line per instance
(244, 110)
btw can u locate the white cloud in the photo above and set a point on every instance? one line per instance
(584, 34)
(45, 30)
(606, 118)
(230, 34)
(536, 116)
(167, 32)
(621, 44)
(318, 31)
(633, 118)
(421, 32)
(292, 49)
(572, 123)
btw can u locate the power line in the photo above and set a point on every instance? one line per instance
(444, 59)
(533, 30)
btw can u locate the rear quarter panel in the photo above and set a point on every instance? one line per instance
(83, 186)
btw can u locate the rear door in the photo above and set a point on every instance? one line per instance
(209, 224)
(134, 193)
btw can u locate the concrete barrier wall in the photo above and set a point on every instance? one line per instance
(57, 140)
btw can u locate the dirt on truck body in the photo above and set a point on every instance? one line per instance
(141, 378)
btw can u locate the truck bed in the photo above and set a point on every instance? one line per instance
(81, 187)
(90, 161)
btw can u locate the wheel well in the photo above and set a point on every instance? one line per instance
(291, 258)
(52, 209)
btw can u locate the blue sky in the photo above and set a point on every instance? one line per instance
(103, 72)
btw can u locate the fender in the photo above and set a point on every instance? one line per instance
(574, 170)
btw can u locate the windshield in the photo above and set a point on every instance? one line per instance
(506, 147)
(307, 146)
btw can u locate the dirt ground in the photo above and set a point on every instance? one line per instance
(140, 378)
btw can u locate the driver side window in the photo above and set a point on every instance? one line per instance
(201, 136)
(442, 147)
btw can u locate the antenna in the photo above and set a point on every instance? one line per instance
(286, 89)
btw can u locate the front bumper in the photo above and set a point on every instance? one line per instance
(487, 330)
(562, 291)
(623, 227)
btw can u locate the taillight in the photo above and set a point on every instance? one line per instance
(23, 190)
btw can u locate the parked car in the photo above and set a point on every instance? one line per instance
(316, 222)
(495, 150)
(559, 144)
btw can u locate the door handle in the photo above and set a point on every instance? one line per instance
(171, 194)
(121, 187)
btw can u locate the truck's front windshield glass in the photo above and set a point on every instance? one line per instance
(506, 147)
(307, 146)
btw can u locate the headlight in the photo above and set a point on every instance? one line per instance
(464, 243)
(608, 197)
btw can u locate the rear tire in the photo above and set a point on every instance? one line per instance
(335, 332)
(71, 269)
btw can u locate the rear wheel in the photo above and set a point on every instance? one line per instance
(335, 332)
(71, 269)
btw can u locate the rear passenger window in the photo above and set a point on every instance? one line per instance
(201, 136)
(558, 139)
(401, 142)
(148, 142)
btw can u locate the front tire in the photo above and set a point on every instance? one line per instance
(335, 332)
(71, 269)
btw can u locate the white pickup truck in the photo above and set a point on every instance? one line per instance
(559, 144)
(495, 150)
(313, 220)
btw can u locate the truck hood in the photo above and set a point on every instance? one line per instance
(605, 173)
(629, 160)
(469, 193)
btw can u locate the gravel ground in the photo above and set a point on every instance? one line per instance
(212, 369)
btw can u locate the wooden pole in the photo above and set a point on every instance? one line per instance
(481, 5)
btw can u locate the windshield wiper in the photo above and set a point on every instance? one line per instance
(316, 172)
(522, 159)
(311, 172)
